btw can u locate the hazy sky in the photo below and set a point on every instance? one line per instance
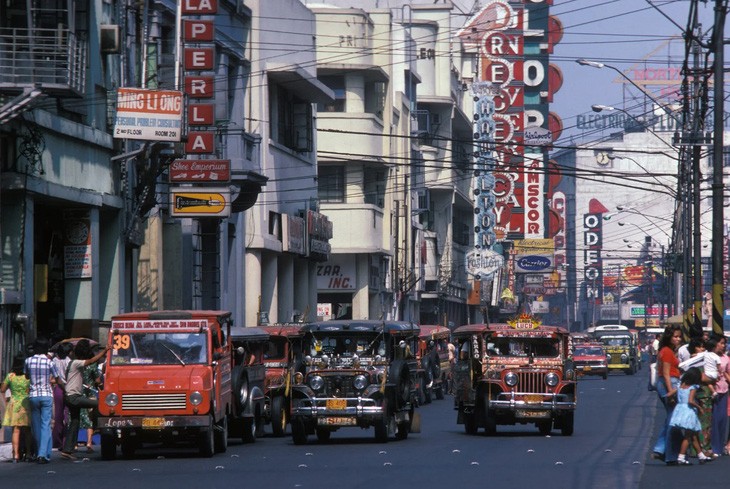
(628, 34)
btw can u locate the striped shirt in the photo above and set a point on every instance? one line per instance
(40, 369)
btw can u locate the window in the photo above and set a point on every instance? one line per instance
(291, 120)
(375, 187)
(337, 85)
(331, 183)
(375, 93)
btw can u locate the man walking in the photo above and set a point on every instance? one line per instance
(42, 374)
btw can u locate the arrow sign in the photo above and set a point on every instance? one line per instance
(208, 202)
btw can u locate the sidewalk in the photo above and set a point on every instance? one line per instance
(658, 474)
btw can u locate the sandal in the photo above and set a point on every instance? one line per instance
(89, 449)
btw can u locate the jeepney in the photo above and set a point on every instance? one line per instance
(520, 372)
(618, 343)
(248, 376)
(357, 373)
(167, 379)
(283, 357)
(433, 357)
(590, 359)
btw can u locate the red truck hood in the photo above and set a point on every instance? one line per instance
(157, 378)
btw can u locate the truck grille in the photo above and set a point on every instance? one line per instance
(533, 382)
(134, 402)
(339, 386)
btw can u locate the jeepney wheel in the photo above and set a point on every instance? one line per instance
(545, 427)
(399, 371)
(220, 433)
(248, 434)
(566, 425)
(279, 416)
(298, 431)
(470, 423)
(108, 446)
(490, 423)
(323, 436)
(207, 439)
(128, 445)
(381, 430)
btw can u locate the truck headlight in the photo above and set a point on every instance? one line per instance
(360, 382)
(624, 358)
(316, 382)
(608, 357)
(298, 378)
(510, 379)
(111, 399)
(552, 379)
(196, 398)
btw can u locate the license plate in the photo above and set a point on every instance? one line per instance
(336, 403)
(337, 421)
(533, 398)
(532, 414)
(153, 423)
(587, 368)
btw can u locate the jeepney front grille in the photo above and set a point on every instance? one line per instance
(160, 402)
(339, 386)
(532, 382)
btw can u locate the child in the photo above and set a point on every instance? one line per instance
(685, 415)
(17, 413)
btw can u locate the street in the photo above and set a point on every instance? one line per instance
(615, 423)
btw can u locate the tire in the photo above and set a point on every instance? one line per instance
(241, 392)
(402, 430)
(298, 432)
(248, 434)
(470, 423)
(545, 427)
(566, 425)
(490, 424)
(605, 375)
(381, 430)
(108, 446)
(323, 436)
(220, 434)
(207, 440)
(279, 416)
(399, 371)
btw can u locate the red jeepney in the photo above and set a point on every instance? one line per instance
(282, 358)
(167, 378)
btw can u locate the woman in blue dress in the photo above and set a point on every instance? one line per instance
(685, 415)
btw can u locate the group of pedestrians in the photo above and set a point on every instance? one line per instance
(47, 395)
(692, 384)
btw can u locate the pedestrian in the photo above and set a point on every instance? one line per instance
(42, 373)
(667, 444)
(75, 398)
(685, 416)
(91, 382)
(720, 404)
(60, 413)
(17, 412)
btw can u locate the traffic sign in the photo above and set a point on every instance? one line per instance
(200, 202)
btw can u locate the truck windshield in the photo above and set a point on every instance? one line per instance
(159, 348)
(524, 347)
(346, 345)
(587, 351)
(613, 341)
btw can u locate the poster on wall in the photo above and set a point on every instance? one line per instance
(76, 244)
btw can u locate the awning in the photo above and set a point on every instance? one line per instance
(301, 82)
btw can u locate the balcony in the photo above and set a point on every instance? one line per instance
(53, 60)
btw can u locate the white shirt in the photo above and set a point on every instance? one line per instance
(683, 353)
(712, 365)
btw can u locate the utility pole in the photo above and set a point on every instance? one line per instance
(700, 100)
(718, 46)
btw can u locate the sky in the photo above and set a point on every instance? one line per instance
(625, 34)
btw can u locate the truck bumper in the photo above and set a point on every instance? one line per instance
(152, 423)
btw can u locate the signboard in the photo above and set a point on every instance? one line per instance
(338, 273)
(76, 244)
(200, 202)
(483, 263)
(152, 115)
(200, 171)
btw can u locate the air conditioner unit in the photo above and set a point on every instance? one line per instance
(109, 39)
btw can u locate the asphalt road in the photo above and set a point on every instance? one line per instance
(615, 424)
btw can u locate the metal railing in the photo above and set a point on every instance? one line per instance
(51, 59)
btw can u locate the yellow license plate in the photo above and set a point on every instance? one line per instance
(336, 403)
(533, 398)
(153, 423)
(587, 368)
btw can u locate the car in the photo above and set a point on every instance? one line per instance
(519, 372)
(433, 357)
(282, 357)
(590, 359)
(357, 373)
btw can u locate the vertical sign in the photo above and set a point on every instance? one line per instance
(77, 243)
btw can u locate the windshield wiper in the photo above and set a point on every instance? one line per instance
(176, 355)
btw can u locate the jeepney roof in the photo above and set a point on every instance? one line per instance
(471, 329)
(430, 331)
(176, 314)
(288, 330)
(250, 334)
(390, 327)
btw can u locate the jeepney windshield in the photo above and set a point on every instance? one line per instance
(159, 348)
(524, 347)
(616, 341)
(275, 348)
(590, 350)
(346, 344)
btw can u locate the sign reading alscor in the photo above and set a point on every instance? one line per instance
(152, 115)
